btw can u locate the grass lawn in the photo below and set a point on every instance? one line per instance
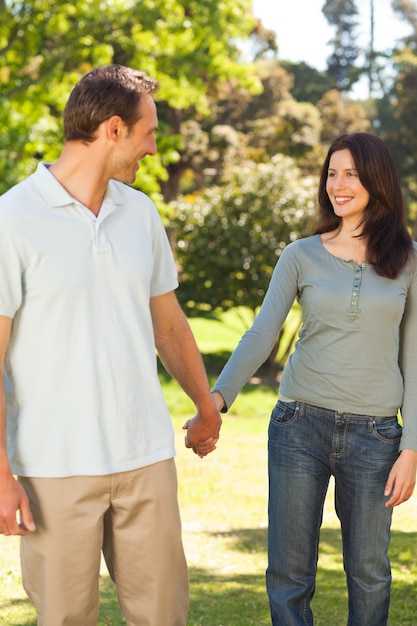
(223, 501)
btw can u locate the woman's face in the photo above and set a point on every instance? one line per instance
(348, 196)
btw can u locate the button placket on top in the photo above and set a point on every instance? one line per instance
(98, 237)
(353, 310)
(100, 241)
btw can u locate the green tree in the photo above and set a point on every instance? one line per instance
(397, 110)
(310, 84)
(294, 130)
(400, 128)
(342, 14)
(252, 125)
(263, 42)
(190, 46)
(340, 114)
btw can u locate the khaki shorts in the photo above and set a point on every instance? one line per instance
(133, 518)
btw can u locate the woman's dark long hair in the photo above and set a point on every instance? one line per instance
(388, 242)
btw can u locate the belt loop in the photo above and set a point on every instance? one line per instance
(301, 407)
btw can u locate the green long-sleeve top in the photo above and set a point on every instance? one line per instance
(357, 346)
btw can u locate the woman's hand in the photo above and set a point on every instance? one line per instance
(402, 478)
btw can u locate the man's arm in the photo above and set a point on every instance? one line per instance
(178, 351)
(12, 496)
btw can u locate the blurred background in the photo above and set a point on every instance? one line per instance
(251, 94)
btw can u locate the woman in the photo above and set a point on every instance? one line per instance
(353, 367)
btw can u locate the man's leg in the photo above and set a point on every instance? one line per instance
(143, 546)
(61, 559)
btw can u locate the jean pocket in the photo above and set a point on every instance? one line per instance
(284, 413)
(388, 430)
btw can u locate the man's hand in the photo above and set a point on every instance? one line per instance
(13, 499)
(402, 478)
(203, 447)
(202, 433)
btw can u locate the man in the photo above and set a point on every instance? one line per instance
(87, 284)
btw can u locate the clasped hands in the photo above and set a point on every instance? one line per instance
(203, 430)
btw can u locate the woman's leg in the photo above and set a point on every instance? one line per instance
(362, 465)
(298, 480)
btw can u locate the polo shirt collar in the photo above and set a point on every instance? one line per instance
(57, 196)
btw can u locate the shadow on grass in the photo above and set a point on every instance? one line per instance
(229, 600)
(246, 540)
(234, 599)
(330, 602)
(21, 610)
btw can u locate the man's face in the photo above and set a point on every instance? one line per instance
(136, 142)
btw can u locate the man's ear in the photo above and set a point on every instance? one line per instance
(114, 127)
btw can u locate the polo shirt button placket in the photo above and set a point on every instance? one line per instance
(100, 242)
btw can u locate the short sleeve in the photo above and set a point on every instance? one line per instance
(11, 280)
(164, 274)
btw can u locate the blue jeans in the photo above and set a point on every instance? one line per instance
(307, 445)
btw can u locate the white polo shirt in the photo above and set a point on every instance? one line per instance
(83, 396)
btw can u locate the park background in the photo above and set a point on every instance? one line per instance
(243, 133)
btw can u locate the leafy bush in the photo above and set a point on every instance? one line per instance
(230, 237)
